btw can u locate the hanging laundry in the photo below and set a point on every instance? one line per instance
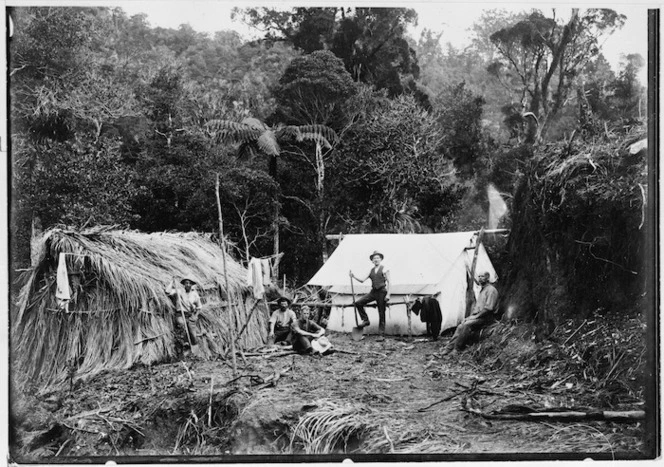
(250, 273)
(267, 271)
(255, 276)
(62, 294)
(430, 313)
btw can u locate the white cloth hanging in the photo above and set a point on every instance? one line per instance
(255, 277)
(62, 293)
(266, 266)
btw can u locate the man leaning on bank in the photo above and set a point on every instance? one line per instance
(481, 315)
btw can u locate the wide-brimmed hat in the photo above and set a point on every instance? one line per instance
(282, 298)
(376, 253)
(321, 345)
(193, 282)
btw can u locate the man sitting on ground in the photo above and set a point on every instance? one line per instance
(304, 331)
(281, 322)
(481, 315)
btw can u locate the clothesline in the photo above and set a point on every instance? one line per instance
(82, 312)
(278, 255)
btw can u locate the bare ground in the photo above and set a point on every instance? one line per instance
(370, 397)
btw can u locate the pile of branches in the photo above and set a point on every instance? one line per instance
(601, 359)
(578, 242)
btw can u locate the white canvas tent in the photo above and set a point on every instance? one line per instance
(420, 265)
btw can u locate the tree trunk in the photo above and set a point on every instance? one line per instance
(320, 186)
(276, 240)
(229, 298)
(272, 170)
(470, 293)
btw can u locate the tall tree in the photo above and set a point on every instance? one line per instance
(389, 174)
(255, 137)
(544, 55)
(628, 93)
(459, 113)
(597, 80)
(64, 93)
(316, 89)
(371, 42)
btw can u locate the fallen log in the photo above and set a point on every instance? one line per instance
(570, 416)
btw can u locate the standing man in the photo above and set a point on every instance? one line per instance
(281, 322)
(481, 315)
(380, 292)
(187, 303)
(304, 331)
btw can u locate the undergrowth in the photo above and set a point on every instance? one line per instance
(602, 356)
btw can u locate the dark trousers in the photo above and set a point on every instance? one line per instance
(302, 344)
(466, 332)
(190, 328)
(377, 295)
(433, 329)
(282, 334)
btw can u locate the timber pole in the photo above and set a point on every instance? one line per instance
(470, 296)
(228, 290)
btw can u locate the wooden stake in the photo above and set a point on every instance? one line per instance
(210, 404)
(470, 296)
(410, 329)
(251, 313)
(228, 290)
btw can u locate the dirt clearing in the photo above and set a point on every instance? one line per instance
(369, 397)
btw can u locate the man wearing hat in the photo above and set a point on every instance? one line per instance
(281, 322)
(187, 303)
(380, 291)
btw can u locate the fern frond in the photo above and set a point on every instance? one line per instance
(225, 130)
(316, 138)
(267, 142)
(325, 131)
(254, 123)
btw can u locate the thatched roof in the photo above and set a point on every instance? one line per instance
(117, 280)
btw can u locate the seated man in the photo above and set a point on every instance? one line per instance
(281, 322)
(481, 315)
(304, 331)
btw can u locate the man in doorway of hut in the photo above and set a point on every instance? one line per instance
(304, 331)
(481, 315)
(380, 292)
(281, 322)
(187, 303)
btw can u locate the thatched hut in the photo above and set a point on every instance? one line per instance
(119, 313)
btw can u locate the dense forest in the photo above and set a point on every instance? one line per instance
(335, 121)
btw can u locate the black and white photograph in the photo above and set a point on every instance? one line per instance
(269, 232)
